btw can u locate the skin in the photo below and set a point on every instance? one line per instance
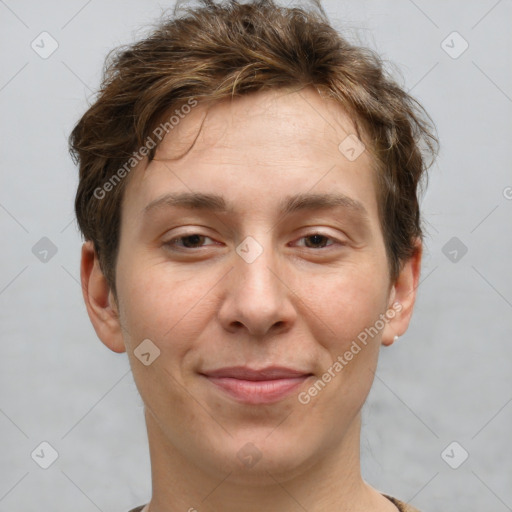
(300, 304)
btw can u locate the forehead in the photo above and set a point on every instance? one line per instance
(265, 145)
(270, 120)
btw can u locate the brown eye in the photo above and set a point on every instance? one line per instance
(192, 241)
(318, 241)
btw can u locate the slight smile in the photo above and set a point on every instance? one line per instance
(254, 387)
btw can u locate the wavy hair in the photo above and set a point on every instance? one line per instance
(215, 51)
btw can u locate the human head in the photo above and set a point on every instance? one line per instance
(228, 50)
(258, 102)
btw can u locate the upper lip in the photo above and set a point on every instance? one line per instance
(246, 373)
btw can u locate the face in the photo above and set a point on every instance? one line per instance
(268, 273)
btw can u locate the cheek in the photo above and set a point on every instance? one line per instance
(164, 308)
(344, 310)
(346, 302)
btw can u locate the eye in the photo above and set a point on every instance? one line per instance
(190, 241)
(319, 239)
(196, 240)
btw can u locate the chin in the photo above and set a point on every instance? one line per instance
(261, 459)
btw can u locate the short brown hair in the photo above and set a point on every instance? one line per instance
(216, 51)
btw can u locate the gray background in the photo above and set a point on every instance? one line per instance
(447, 379)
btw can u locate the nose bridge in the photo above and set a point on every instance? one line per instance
(256, 266)
(255, 296)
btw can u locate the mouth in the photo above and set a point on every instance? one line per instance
(250, 386)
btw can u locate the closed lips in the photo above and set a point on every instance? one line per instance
(246, 373)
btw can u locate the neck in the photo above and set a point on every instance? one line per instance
(331, 483)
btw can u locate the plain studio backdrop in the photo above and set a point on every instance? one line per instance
(437, 423)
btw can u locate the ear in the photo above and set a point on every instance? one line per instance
(99, 300)
(402, 297)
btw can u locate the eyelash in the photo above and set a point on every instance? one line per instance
(172, 245)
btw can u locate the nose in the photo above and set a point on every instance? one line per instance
(258, 292)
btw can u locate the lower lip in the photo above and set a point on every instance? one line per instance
(258, 392)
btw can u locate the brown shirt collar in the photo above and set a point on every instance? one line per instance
(402, 507)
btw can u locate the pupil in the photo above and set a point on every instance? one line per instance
(193, 237)
(316, 237)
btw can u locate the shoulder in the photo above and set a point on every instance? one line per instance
(402, 507)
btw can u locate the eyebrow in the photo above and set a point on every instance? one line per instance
(290, 204)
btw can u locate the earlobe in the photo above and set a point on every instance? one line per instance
(403, 297)
(99, 300)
